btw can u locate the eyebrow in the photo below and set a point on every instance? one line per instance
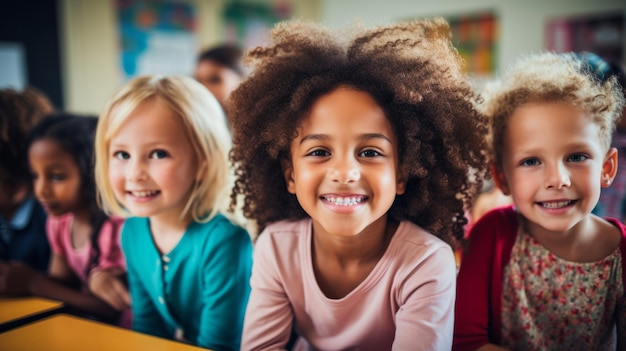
(367, 136)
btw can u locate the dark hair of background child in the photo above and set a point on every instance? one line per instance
(227, 55)
(19, 113)
(75, 135)
(440, 134)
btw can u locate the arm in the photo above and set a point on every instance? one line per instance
(226, 290)
(425, 319)
(269, 316)
(146, 318)
(108, 280)
(21, 279)
(110, 286)
(472, 309)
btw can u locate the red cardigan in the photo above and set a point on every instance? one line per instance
(478, 310)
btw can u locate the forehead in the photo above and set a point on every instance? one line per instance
(550, 124)
(345, 110)
(152, 120)
(48, 152)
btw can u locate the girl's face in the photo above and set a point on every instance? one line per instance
(344, 163)
(56, 178)
(554, 165)
(220, 80)
(152, 167)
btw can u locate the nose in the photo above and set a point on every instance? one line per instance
(344, 170)
(40, 187)
(557, 176)
(136, 171)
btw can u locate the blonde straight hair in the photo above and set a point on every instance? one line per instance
(205, 126)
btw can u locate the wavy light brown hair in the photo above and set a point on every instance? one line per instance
(411, 70)
(548, 77)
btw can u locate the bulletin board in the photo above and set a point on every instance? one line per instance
(156, 37)
(476, 38)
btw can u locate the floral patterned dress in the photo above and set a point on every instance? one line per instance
(549, 303)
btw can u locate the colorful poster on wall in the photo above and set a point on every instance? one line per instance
(248, 24)
(156, 37)
(602, 34)
(476, 38)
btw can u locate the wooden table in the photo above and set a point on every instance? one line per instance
(66, 332)
(20, 310)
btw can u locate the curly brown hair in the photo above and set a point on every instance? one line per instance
(410, 69)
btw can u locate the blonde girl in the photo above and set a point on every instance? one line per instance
(162, 161)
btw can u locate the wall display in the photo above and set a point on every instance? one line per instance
(156, 37)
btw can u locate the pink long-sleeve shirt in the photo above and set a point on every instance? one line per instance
(406, 302)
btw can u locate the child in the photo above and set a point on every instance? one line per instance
(220, 70)
(81, 236)
(357, 153)
(162, 156)
(546, 274)
(22, 219)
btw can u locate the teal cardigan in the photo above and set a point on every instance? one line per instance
(199, 288)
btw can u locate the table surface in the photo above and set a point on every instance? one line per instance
(66, 332)
(20, 307)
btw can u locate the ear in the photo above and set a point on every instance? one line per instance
(288, 174)
(609, 168)
(401, 182)
(499, 179)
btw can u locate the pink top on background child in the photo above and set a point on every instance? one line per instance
(59, 231)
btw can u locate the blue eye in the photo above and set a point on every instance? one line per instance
(121, 155)
(158, 154)
(530, 162)
(577, 158)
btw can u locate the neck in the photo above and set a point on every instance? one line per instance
(368, 245)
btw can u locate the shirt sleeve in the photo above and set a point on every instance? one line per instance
(111, 255)
(471, 327)
(425, 320)
(269, 316)
(226, 290)
(54, 233)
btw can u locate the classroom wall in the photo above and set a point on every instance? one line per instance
(89, 42)
(521, 21)
(89, 38)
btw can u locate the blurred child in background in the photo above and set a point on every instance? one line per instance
(220, 70)
(162, 157)
(22, 219)
(82, 237)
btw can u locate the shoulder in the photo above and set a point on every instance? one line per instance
(132, 229)
(416, 246)
(58, 224)
(219, 231)
(283, 234)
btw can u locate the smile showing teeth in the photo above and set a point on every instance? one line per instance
(144, 193)
(556, 204)
(344, 201)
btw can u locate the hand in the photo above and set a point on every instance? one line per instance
(16, 278)
(107, 285)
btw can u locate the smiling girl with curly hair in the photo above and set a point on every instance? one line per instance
(352, 151)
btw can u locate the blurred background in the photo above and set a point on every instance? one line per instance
(78, 52)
